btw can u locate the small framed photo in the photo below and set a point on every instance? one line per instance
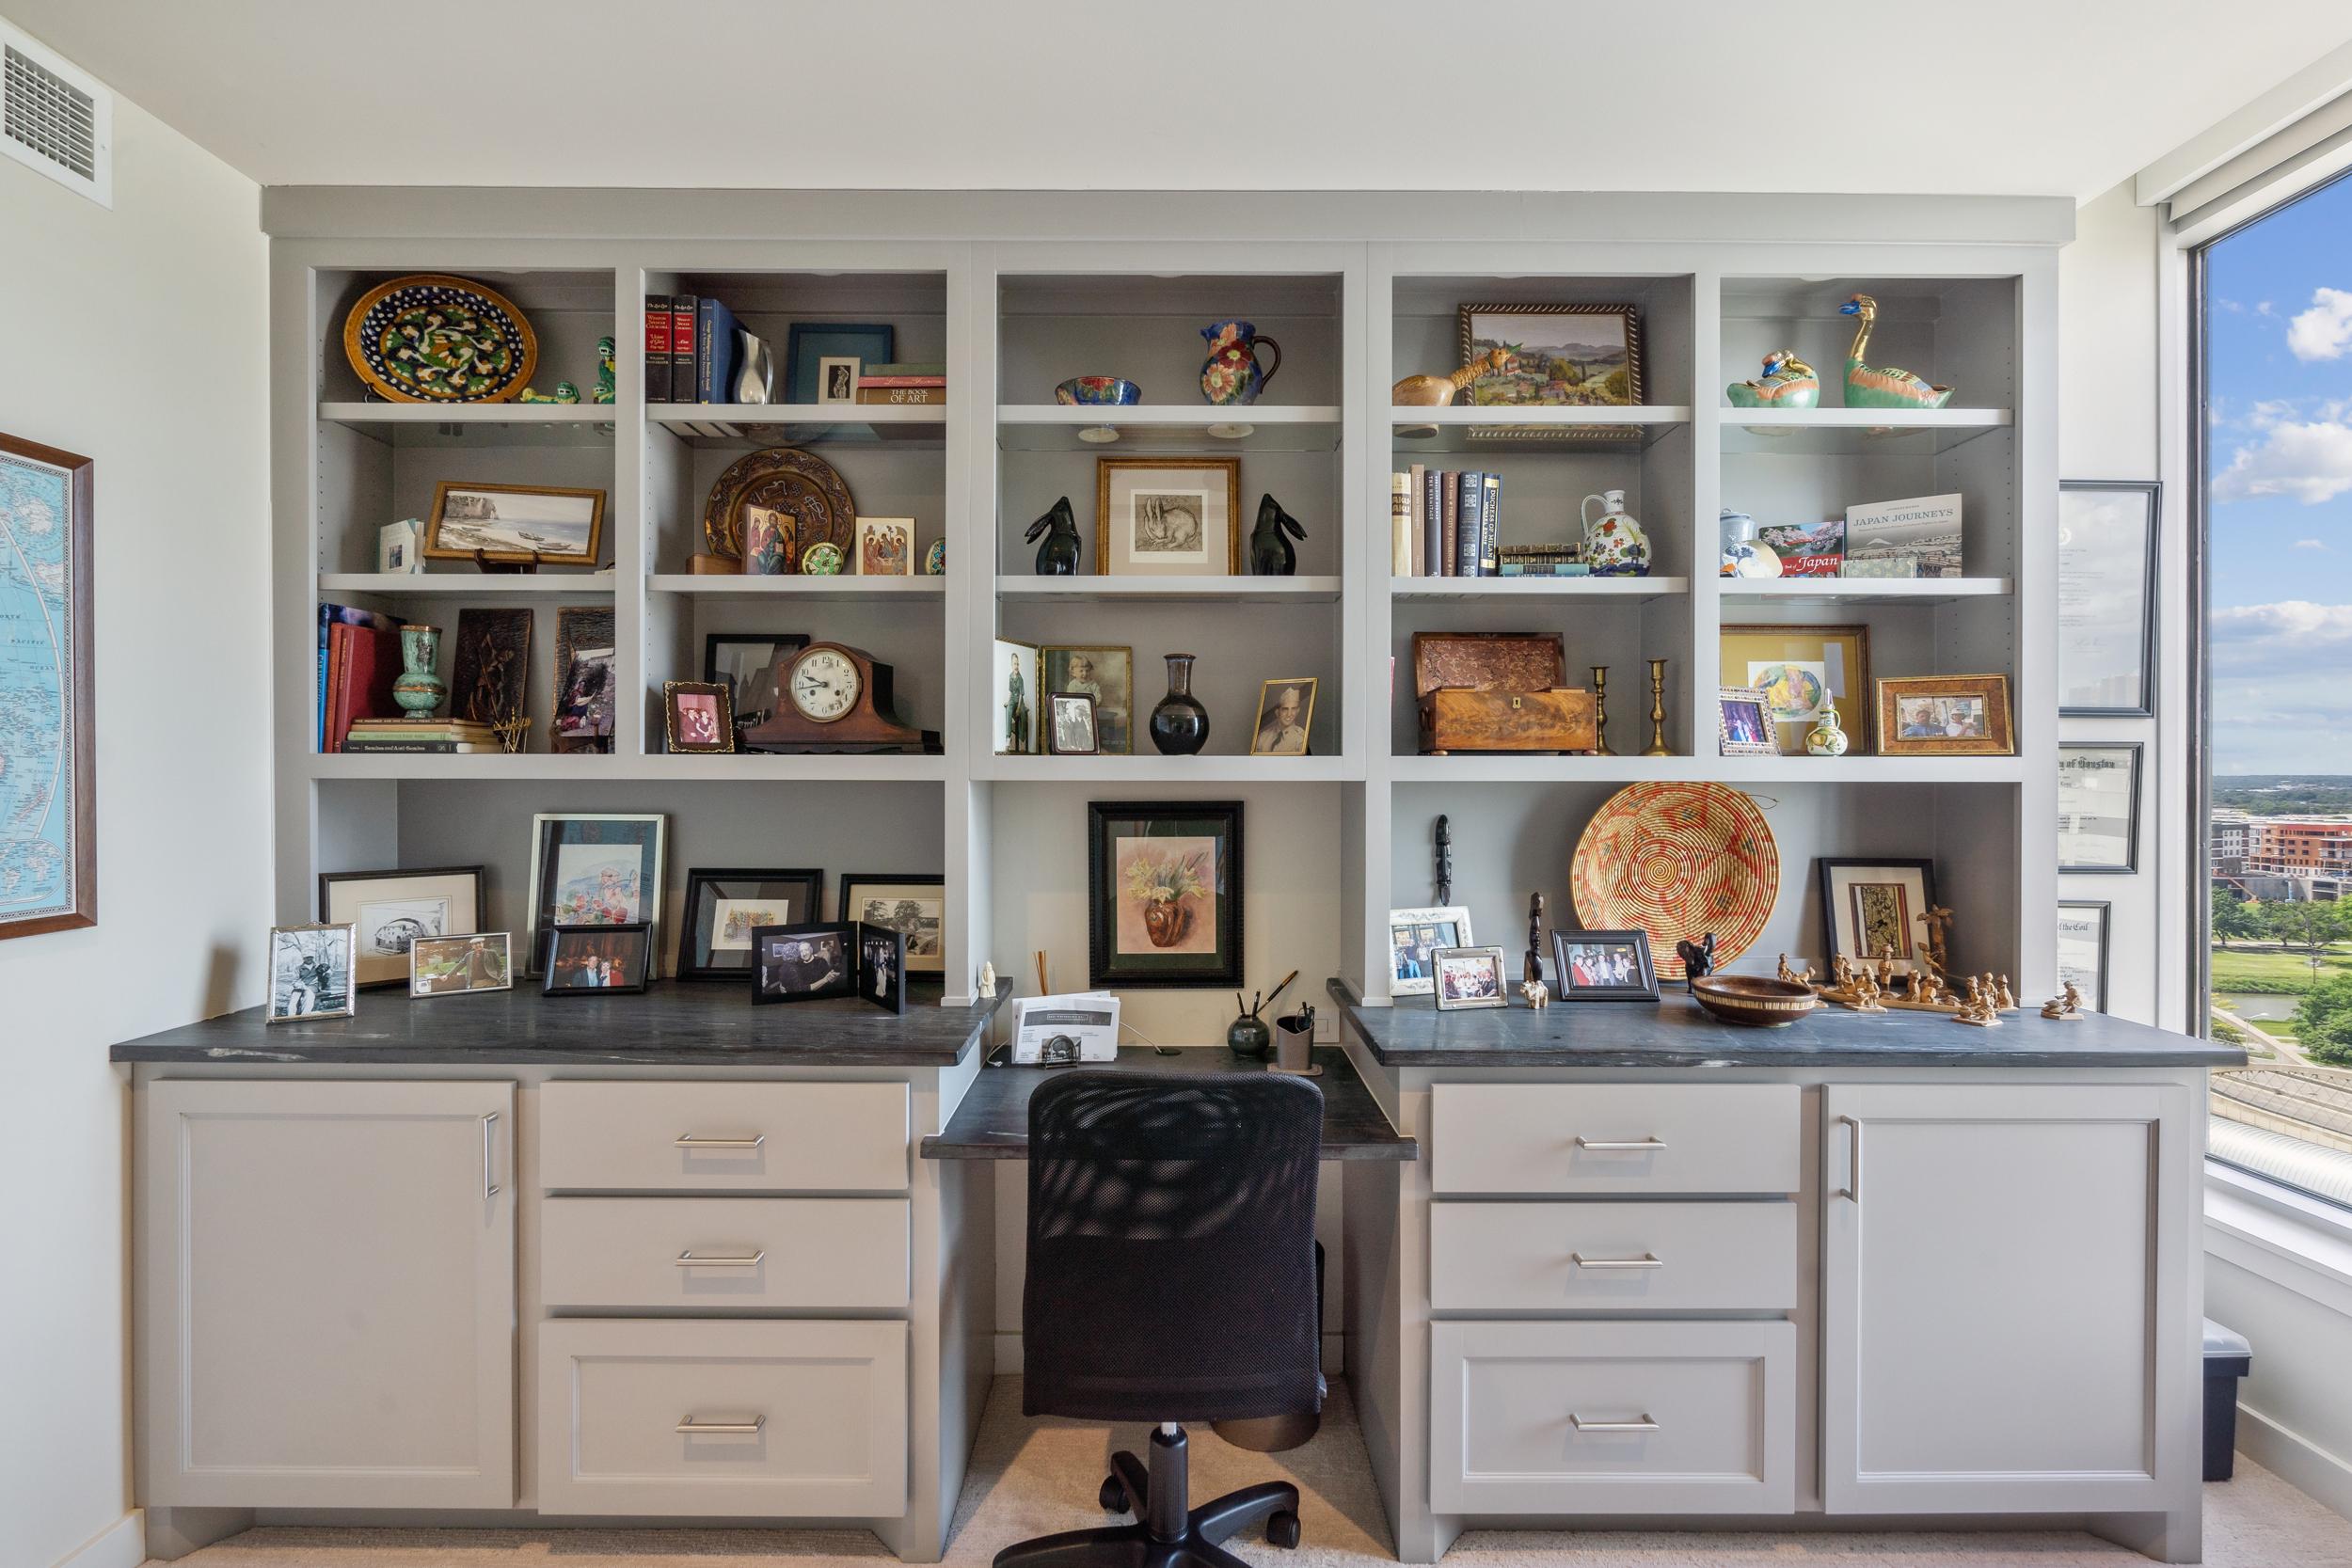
(885, 546)
(1743, 720)
(881, 967)
(2082, 950)
(1944, 716)
(542, 524)
(745, 663)
(806, 963)
(1286, 714)
(393, 910)
(1070, 725)
(915, 907)
(399, 548)
(1415, 936)
(582, 960)
(454, 966)
(725, 907)
(1166, 517)
(2107, 597)
(698, 717)
(836, 380)
(309, 972)
(810, 347)
(1016, 681)
(1872, 910)
(1604, 966)
(1105, 673)
(1470, 977)
(2099, 807)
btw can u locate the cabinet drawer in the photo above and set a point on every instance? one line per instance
(723, 1137)
(1619, 1256)
(1612, 1417)
(1614, 1138)
(724, 1254)
(754, 1420)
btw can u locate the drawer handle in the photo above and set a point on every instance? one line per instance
(1644, 1424)
(1644, 1146)
(489, 1136)
(1648, 1261)
(723, 1428)
(688, 1140)
(688, 1260)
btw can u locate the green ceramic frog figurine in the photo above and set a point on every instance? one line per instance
(606, 387)
(1883, 388)
(1787, 382)
(564, 392)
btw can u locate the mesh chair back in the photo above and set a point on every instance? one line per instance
(1171, 1247)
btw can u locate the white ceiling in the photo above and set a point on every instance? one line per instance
(2002, 97)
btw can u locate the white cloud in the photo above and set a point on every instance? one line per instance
(2325, 330)
(2289, 624)
(2308, 545)
(2264, 309)
(2311, 461)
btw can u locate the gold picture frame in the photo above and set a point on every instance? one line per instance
(1217, 474)
(681, 734)
(1469, 318)
(567, 514)
(1781, 661)
(1946, 716)
(1271, 692)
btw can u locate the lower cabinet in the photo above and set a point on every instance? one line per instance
(765, 1420)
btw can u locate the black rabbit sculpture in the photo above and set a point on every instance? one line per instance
(1270, 554)
(1058, 555)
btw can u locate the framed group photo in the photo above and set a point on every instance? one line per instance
(1469, 978)
(585, 960)
(808, 963)
(1415, 938)
(1604, 966)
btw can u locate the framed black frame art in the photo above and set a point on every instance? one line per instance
(1164, 892)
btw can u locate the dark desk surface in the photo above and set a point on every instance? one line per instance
(1677, 1033)
(675, 1023)
(993, 1123)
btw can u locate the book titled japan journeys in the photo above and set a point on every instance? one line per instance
(1918, 537)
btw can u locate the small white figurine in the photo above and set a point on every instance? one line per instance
(988, 978)
(1538, 994)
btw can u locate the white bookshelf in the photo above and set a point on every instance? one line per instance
(1170, 590)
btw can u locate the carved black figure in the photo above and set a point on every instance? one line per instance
(1058, 555)
(1698, 957)
(1270, 554)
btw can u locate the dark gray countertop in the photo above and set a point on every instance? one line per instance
(675, 1023)
(1676, 1033)
(992, 1122)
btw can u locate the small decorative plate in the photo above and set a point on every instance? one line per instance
(821, 560)
(431, 339)
(782, 479)
(1677, 860)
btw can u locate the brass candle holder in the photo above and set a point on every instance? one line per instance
(1600, 712)
(1657, 746)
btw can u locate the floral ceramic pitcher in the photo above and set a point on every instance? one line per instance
(1231, 375)
(1614, 544)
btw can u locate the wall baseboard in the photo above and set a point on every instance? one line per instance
(1009, 1354)
(2296, 1459)
(120, 1545)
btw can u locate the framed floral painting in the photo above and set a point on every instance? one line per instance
(1164, 901)
(595, 869)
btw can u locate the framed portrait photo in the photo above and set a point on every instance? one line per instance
(723, 906)
(1166, 517)
(454, 966)
(1470, 977)
(1164, 892)
(590, 868)
(309, 972)
(392, 911)
(1604, 966)
(745, 664)
(1871, 908)
(1802, 670)
(1415, 936)
(697, 717)
(546, 525)
(2082, 949)
(1744, 725)
(2099, 807)
(915, 907)
(885, 546)
(1070, 725)
(2107, 595)
(1944, 716)
(881, 967)
(1108, 675)
(806, 963)
(1018, 686)
(1553, 356)
(1286, 716)
(587, 960)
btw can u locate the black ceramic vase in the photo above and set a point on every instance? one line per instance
(1180, 726)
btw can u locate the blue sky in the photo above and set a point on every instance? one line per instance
(2279, 386)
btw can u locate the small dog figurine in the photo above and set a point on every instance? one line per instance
(1538, 994)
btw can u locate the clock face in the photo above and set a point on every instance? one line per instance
(824, 684)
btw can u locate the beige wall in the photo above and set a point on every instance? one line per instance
(135, 336)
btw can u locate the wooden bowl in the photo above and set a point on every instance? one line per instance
(1758, 1000)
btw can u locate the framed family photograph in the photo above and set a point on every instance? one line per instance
(454, 966)
(2082, 950)
(1106, 675)
(885, 546)
(309, 972)
(806, 963)
(1870, 908)
(1801, 670)
(1604, 966)
(1164, 892)
(582, 960)
(586, 687)
(1743, 723)
(2099, 807)
(881, 967)
(1070, 725)
(1415, 936)
(1166, 517)
(1286, 715)
(725, 907)
(2107, 595)
(1944, 716)
(590, 868)
(697, 717)
(392, 911)
(915, 907)
(537, 525)
(1568, 356)
(1470, 977)
(745, 664)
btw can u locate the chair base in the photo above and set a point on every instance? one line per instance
(1165, 1533)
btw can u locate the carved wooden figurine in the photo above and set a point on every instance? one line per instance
(2003, 997)
(2066, 1005)
(1436, 391)
(1698, 957)
(1866, 996)
(1445, 861)
(1538, 994)
(1533, 970)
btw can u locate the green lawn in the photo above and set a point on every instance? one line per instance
(2276, 1027)
(2273, 971)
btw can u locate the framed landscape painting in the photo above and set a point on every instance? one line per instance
(48, 762)
(1553, 356)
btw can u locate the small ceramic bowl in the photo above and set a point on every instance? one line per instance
(1098, 391)
(1755, 999)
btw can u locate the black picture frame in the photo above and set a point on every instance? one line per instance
(1826, 868)
(699, 955)
(2130, 863)
(718, 671)
(2097, 1000)
(1075, 702)
(2145, 640)
(646, 832)
(881, 967)
(778, 976)
(1643, 985)
(927, 950)
(378, 978)
(1122, 935)
(636, 938)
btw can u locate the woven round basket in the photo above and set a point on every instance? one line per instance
(1677, 860)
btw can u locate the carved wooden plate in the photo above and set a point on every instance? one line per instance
(1677, 860)
(781, 479)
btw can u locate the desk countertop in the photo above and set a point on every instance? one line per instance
(1677, 1033)
(993, 1123)
(675, 1023)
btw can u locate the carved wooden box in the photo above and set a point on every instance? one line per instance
(1498, 692)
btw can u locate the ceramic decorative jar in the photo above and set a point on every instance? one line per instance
(1180, 726)
(1614, 544)
(1827, 738)
(1231, 375)
(1107, 391)
(822, 560)
(418, 690)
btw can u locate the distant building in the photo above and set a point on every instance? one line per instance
(2315, 851)
(2227, 842)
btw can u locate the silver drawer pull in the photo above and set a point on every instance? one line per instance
(1648, 1261)
(688, 1140)
(723, 1428)
(712, 1261)
(1644, 1424)
(1643, 1146)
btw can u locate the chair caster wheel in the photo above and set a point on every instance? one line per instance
(1113, 1497)
(1281, 1529)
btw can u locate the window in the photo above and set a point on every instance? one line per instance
(2275, 360)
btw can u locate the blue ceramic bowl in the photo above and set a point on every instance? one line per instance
(1098, 391)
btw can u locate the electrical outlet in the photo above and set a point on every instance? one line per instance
(1326, 1026)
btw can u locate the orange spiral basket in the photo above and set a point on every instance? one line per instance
(1677, 860)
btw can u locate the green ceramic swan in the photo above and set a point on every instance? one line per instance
(1889, 388)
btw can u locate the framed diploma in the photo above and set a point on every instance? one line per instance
(2099, 806)
(2082, 951)
(2107, 597)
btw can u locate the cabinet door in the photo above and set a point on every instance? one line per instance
(330, 1294)
(2005, 1310)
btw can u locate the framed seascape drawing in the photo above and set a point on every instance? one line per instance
(1871, 908)
(543, 525)
(48, 758)
(1164, 892)
(595, 869)
(2082, 950)
(393, 910)
(915, 907)
(1166, 517)
(2099, 807)
(725, 907)
(2107, 593)
(1414, 937)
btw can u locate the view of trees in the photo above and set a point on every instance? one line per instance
(2323, 1020)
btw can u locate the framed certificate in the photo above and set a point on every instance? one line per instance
(2099, 807)
(2082, 951)
(2106, 598)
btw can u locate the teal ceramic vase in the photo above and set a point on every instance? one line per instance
(418, 690)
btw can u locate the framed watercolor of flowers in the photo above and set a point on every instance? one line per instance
(595, 869)
(1164, 899)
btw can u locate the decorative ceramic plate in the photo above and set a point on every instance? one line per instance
(800, 484)
(821, 560)
(430, 338)
(1677, 860)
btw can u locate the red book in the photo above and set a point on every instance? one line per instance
(371, 664)
(337, 665)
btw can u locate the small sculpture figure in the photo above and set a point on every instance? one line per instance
(564, 392)
(607, 388)
(1436, 391)
(1992, 990)
(1538, 994)
(988, 978)
(1787, 382)
(2066, 1005)
(1883, 388)
(1534, 969)
(1698, 957)
(2005, 998)
(1978, 1009)
(1058, 555)
(1866, 996)
(1784, 972)
(1976, 995)
(1841, 970)
(1885, 973)
(1445, 861)
(1270, 554)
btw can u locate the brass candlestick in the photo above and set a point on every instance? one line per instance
(1657, 746)
(1600, 712)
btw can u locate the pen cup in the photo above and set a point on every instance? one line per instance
(1293, 1044)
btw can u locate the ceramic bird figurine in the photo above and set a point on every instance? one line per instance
(605, 388)
(1058, 555)
(1436, 391)
(1787, 382)
(1883, 388)
(1270, 554)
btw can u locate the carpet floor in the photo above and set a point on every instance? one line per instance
(1033, 1476)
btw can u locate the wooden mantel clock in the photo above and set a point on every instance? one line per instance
(831, 697)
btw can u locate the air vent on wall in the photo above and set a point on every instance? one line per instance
(54, 119)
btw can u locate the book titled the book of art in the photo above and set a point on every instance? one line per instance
(1914, 538)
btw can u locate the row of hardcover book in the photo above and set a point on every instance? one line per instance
(695, 350)
(1445, 523)
(358, 660)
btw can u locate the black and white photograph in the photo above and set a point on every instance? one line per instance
(1470, 977)
(2098, 807)
(394, 909)
(1170, 517)
(803, 963)
(514, 523)
(309, 972)
(881, 967)
(583, 960)
(913, 906)
(2105, 597)
(1415, 938)
(452, 966)
(1604, 966)
(836, 380)
(1286, 712)
(1072, 730)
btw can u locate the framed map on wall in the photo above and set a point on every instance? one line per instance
(48, 776)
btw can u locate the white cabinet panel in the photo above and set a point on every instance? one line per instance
(1613, 1257)
(723, 1137)
(722, 1255)
(1614, 1138)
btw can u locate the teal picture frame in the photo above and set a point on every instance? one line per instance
(810, 341)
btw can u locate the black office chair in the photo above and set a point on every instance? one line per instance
(1171, 1278)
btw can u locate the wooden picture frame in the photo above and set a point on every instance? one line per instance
(1745, 726)
(1787, 662)
(1074, 707)
(441, 529)
(904, 903)
(1574, 950)
(1862, 895)
(812, 960)
(1272, 692)
(1110, 680)
(2090, 549)
(1973, 711)
(691, 708)
(724, 906)
(397, 917)
(1414, 937)
(1469, 319)
(1219, 484)
(1164, 892)
(2083, 826)
(579, 959)
(60, 480)
(1470, 977)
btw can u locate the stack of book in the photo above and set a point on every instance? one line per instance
(421, 734)
(1544, 560)
(1445, 524)
(690, 350)
(914, 384)
(358, 660)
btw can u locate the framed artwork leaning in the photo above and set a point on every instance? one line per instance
(1164, 892)
(1166, 517)
(394, 909)
(1108, 675)
(1414, 937)
(49, 767)
(595, 868)
(1801, 670)
(1573, 355)
(723, 906)
(1873, 909)
(916, 906)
